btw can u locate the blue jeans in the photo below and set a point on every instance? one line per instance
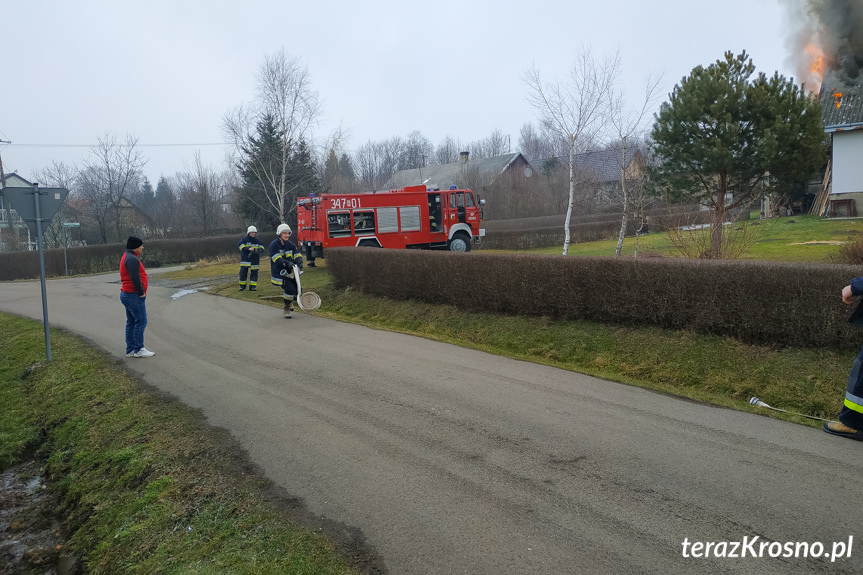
(136, 320)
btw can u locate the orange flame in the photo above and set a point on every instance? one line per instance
(817, 60)
(838, 97)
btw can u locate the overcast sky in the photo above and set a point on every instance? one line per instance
(167, 71)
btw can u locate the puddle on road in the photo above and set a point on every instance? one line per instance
(182, 292)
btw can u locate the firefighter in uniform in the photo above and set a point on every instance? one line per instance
(283, 256)
(250, 259)
(850, 422)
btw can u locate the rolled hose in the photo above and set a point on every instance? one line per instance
(309, 301)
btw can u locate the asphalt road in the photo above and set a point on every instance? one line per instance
(456, 461)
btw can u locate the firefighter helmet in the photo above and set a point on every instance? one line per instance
(252, 229)
(283, 228)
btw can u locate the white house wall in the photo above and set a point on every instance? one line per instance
(847, 162)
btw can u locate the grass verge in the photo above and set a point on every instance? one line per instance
(146, 485)
(801, 238)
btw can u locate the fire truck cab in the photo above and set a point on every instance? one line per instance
(408, 218)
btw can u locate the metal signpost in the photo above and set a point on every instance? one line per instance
(66, 226)
(42, 208)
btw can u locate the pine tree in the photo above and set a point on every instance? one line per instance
(260, 169)
(144, 197)
(163, 209)
(270, 186)
(724, 138)
(346, 169)
(331, 172)
(302, 178)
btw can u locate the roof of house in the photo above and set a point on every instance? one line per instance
(604, 164)
(842, 103)
(14, 180)
(443, 176)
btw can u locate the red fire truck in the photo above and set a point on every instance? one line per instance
(407, 218)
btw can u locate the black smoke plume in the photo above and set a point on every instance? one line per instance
(831, 30)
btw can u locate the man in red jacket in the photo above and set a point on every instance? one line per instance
(133, 294)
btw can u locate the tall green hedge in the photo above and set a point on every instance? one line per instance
(767, 303)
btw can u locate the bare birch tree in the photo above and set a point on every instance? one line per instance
(628, 124)
(285, 96)
(574, 108)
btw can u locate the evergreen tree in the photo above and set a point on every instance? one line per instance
(302, 177)
(331, 171)
(723, 138)
(163, 209)
(338, 174)
(274, 173)
(346, 169)
(163, 190)
(259, 169)
(144, 197)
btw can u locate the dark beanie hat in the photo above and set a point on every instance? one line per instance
(134, 243)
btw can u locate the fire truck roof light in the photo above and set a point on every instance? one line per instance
(452, 187)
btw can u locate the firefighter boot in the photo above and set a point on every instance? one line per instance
(288, 309)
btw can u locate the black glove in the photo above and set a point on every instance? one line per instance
(299, 263)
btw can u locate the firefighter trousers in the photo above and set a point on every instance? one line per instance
(852, 409)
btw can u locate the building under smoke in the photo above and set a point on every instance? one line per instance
(826, 35)
(827, 50)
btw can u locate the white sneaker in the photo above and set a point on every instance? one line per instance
(130, 354)
(144, 352)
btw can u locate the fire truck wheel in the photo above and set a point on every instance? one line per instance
(459, 243)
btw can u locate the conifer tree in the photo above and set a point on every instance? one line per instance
(725, 137)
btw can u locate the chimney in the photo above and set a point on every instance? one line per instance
(463, 156)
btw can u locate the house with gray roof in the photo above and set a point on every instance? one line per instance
(600, 171)
(605, 165)
(9, 218)
(842, 109)
(470, 173)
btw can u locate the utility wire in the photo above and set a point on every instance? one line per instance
(93, 145)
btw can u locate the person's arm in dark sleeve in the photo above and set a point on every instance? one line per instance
(297, 258)
(133, 266)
